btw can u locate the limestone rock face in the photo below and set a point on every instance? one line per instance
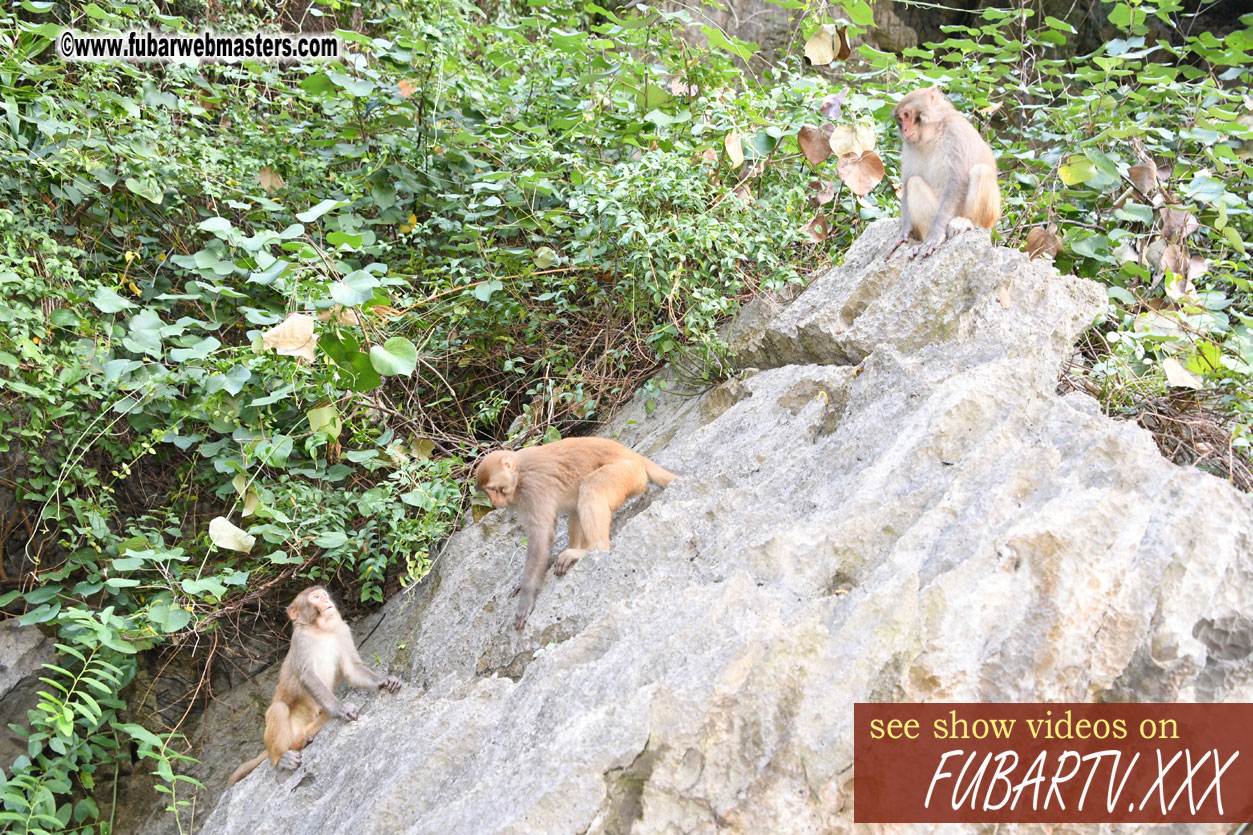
(890, 503)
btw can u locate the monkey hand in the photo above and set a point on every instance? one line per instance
(290, 760)
(566, 560)
(526, 602)
(896, 244)
(391, 684)
(348, 711)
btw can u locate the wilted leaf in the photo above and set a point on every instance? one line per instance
(1178, 376)
(824, 193)
(817, 229)
(744, 194)
(735, 151)
(1178, 224)
(849, 139)
(708, 155)
(814, 145)
(1197, 267)
(1143, 177)
(341, 315)
(1153, 253)
(1173, 259)
(829, 43)
(225, 535)
(292, 337)
(678, 87)
(406, 88)
(270, 179)
(860, 172)
(1043, 241)
(831, 106)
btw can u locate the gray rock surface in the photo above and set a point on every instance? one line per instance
(892, 503)
(23, 652)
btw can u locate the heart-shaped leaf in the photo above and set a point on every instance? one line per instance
(396, 356)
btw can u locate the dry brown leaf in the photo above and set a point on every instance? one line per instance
(860, 172)
(678, 87)
(270, 179)
(406, 88)
(1043, 241)
(829, 43)
(744, 194)
(850, 139)
(1005, 297)
(1153, 253)
(990, 109)
(817, 229)
(814, 144)
(1178, 376)
(1178, 224)
(340, 315)
(1173, 259)
(1197, 267)
(292, 337)
(824, 192)
(709, 155)
(735, 151)
(1143, 177)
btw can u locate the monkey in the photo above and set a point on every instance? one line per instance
(589, 478)
(321, 651)
(948, 173)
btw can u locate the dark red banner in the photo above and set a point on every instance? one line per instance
(1053, 763)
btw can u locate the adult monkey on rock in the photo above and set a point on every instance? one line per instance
(948, 173)
(322, 650)
(589, 478)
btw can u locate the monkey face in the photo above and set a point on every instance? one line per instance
(497, 476)
(907, 118)
(310, 604)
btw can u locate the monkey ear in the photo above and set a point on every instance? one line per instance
(508, 464)
(933, 93)
(293, 612)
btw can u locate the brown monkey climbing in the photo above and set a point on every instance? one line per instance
(322, 650)
(948, 173)
(589, 478)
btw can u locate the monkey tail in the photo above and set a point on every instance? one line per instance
(245, 769)
(658, 475)
(984, 196)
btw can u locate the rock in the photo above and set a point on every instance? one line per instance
(897, 506)
(23, 652)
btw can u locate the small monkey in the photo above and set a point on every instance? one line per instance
(321, 651)
(589, 478)
(948, 173)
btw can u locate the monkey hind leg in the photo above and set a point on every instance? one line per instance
(983, 197)
(602, 493)
(280, 737)
(922, 206)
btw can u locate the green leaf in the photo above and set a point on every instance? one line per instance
(325, 420)
(396, 356)
(218, 226)
(333, 539)
(108, 301)
(484, 291)
(356, 288)
(310, 215)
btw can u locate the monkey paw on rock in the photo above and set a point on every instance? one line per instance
(290, 760)
(391, 684)
(349, 712)
(566, 560)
